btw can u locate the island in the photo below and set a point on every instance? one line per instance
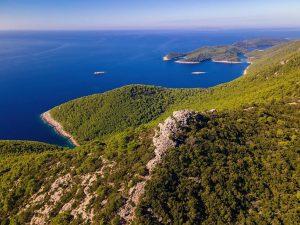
(225, 53)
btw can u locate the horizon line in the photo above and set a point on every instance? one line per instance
(158, 29)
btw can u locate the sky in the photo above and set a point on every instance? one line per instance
(147, 14)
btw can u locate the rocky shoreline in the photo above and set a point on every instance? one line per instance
(246, 70)
(186, 62)
(47, 118)
(226, 61)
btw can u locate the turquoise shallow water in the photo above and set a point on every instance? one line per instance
(39, 70)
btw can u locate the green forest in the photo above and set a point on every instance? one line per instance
(238, 165)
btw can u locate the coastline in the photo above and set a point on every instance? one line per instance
(47, 118)
(166, 58)
(246, 70)
(215, 61)
(186, 62)
(224, 61)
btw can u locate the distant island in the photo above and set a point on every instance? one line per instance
(225, 53)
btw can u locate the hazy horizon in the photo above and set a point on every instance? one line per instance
(159, 29)
(154, 15)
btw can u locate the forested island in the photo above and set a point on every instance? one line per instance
(223, 54)
(152, 155)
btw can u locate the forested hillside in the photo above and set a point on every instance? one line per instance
(235, 164)
(18, 147)
(237, 167)
(93, 116)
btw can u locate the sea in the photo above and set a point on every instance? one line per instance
(42, 69)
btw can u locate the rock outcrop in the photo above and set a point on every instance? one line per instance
(45, 201)
(164, 139)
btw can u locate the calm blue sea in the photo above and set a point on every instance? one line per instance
(39, 70)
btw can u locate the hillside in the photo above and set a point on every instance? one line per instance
(152, 155)
(218, 53)
(130, 106)
(19, 147)
(259, 43)
(238, 167)
(227, 167)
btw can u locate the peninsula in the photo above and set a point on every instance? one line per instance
(225, 53)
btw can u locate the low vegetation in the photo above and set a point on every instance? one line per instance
(18, 147)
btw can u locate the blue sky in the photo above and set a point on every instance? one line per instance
(148, 14)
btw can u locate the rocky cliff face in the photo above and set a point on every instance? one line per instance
(165, 138)
(48, 199)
